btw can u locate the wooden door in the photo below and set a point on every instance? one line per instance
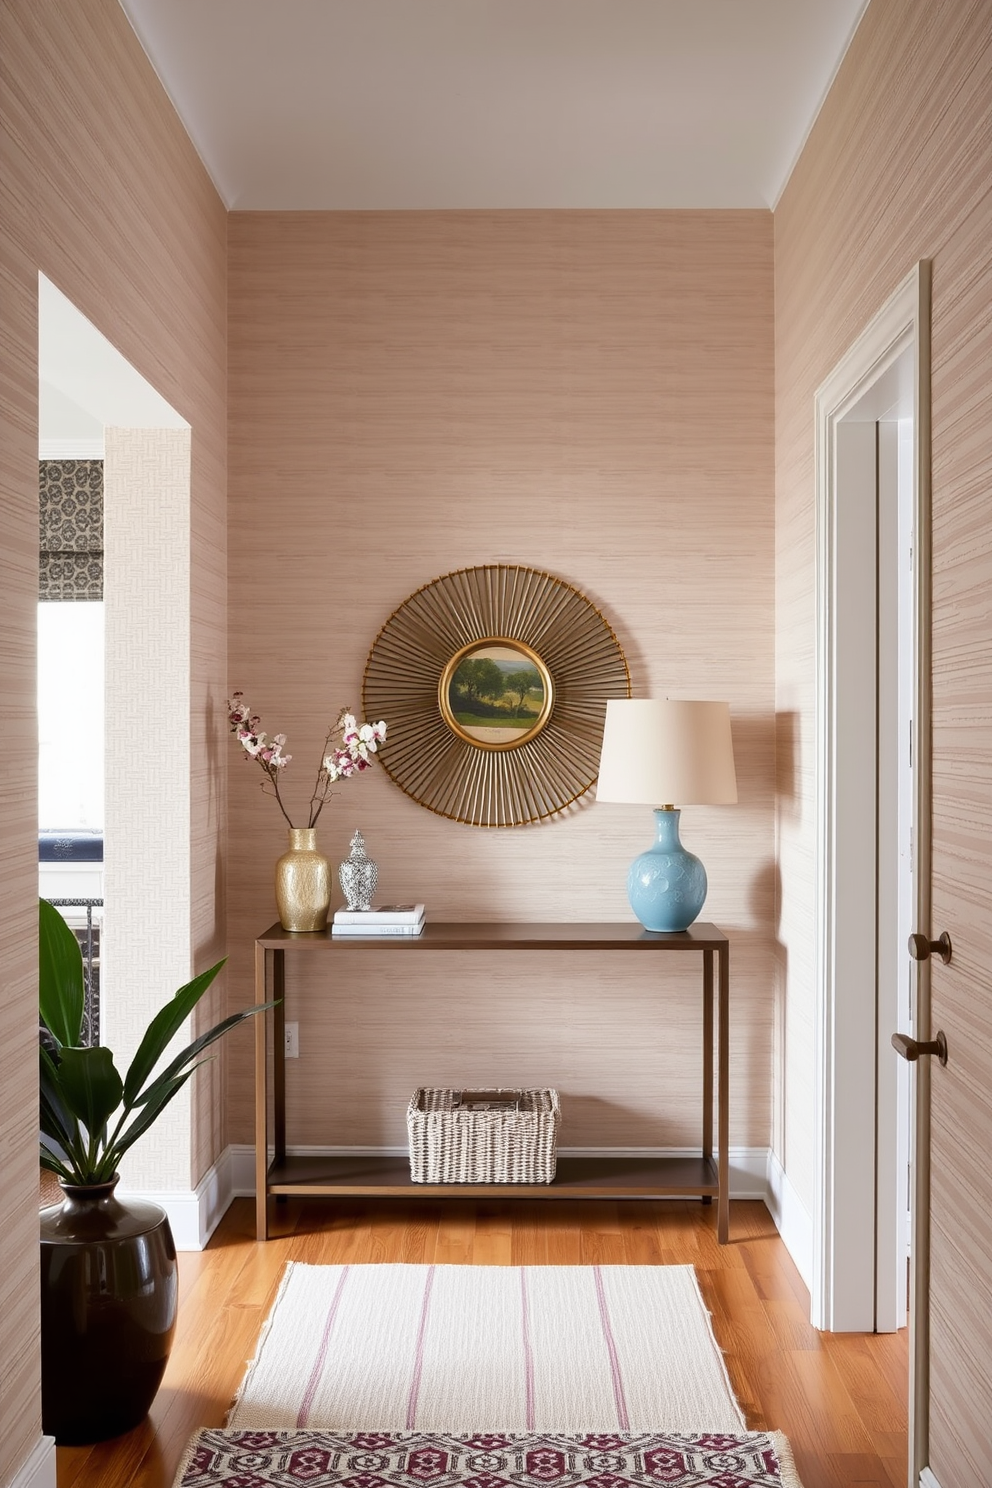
(957, 1401)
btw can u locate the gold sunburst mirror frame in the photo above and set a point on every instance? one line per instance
(494, 682)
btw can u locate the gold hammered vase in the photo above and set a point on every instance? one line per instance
(303, 883)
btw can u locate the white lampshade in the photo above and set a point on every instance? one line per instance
(667, 752)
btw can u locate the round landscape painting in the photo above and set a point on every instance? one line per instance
(495, 693)
(494, 682)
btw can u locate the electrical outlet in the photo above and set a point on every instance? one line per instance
(292, 1040)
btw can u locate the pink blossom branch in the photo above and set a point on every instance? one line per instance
(356, 753)
(275, 786)
(321, 785)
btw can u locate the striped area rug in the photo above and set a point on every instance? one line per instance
(396, 1348)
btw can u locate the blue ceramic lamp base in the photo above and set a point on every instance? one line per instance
(666, 885)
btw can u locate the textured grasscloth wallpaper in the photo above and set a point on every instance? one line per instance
(590, 393)
(899, 168)
(101, 190)
(587, 393)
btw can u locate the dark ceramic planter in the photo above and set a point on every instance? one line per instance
(109, 1296)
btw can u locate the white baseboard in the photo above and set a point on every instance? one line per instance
(242, 1159)
(792, 1219)
(39, 1469)
(755, 1173)
(749, 1173)
(194, 1214)
(748, 1165)
(927, 1479)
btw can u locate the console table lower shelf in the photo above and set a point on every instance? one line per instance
(576, 1177)
(704, 1175)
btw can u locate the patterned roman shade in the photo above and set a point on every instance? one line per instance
(71, 509)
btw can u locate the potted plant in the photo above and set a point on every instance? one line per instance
(108, 1269)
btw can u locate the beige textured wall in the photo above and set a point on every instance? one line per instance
(101, 190)
(146, 517)
(898, 168)
(589, 393)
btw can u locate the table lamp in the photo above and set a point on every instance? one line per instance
(662, 750)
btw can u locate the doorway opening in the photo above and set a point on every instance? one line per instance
(95, 407)
(873, 785)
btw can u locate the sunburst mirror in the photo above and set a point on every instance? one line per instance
(494, 681)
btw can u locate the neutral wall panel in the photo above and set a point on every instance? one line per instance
(587, 393)
(371, 1032)
(20, 1411)
(897, 169)
(102, 191)
(961, 1243)
(146, 511)
(892, 172)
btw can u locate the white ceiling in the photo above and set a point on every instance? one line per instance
(375, 104)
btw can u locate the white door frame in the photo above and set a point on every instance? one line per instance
(845, 1095)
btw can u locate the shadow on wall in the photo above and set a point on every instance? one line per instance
(764, 894)
(787, 756)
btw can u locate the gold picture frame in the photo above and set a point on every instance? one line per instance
(495, 693)
(468, 747)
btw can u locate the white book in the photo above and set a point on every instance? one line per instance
(368, 931)
(386, 914)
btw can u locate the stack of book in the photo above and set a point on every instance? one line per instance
(388, 919)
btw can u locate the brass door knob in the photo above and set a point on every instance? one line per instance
(921, 948)
(912, 1049)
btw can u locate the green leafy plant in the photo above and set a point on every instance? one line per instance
(90, 1116)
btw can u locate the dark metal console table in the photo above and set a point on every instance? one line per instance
(577, 1177)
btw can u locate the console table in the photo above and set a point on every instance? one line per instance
(577, 1177)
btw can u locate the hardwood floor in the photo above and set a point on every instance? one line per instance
(840, 1398)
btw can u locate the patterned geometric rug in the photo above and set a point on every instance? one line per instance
(319, 1459)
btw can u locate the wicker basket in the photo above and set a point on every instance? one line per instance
(454, 1143)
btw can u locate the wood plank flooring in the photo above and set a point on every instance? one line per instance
(840, 1398)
